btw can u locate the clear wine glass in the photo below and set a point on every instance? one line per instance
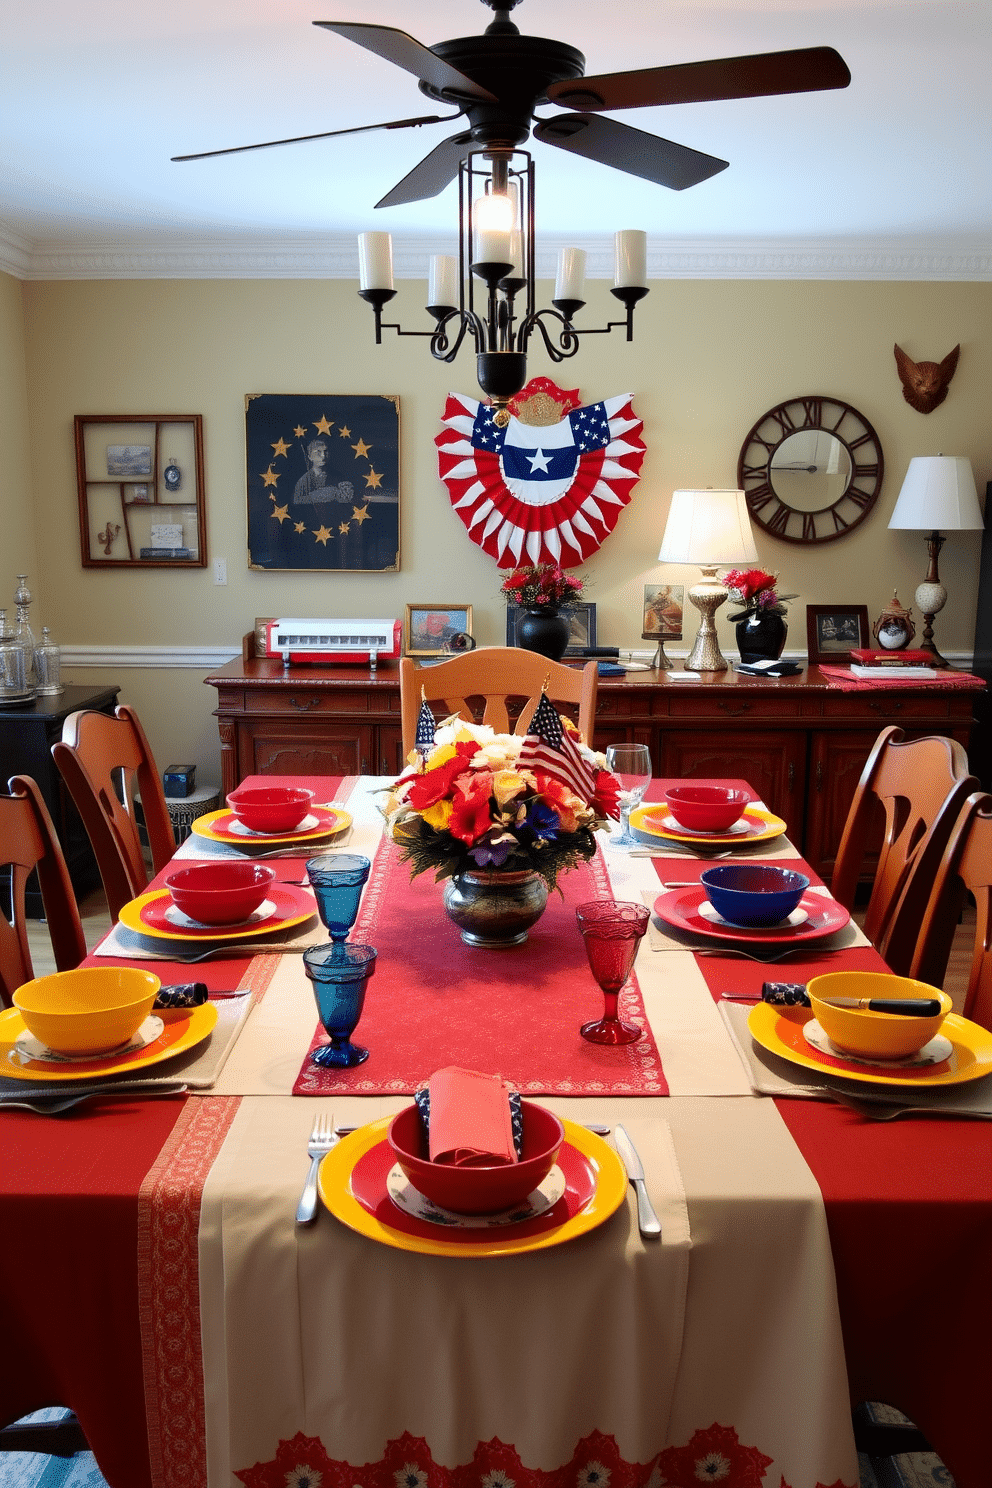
(631, 764)
(611, 931)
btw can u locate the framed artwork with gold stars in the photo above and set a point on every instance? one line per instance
(323, 481)
(139, 480)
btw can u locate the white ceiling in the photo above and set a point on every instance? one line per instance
(895, 170)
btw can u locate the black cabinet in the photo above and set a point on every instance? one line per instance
(27, 734)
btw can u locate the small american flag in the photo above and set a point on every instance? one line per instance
(550, 747)
(426, 724)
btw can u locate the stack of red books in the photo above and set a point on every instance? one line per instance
(891, 658)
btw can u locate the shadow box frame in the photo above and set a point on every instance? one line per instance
(127, 473)
(839, 655)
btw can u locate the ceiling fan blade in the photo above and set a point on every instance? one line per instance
(434, 172)
(806, 70)
(612, 143)
(300, 139)
(401, 49)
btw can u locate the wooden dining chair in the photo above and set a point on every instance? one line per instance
(918, 786)
(492, 677)
(103, 761)
(28, 844)
(965, 868)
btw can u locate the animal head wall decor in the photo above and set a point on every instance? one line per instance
(925, 384)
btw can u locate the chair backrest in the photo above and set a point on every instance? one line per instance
(966, 865)
(103, 760)
(27, 843)
(920, 785)
(496, 674)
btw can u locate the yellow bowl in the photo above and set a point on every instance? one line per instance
(872, 1035)
(87, 1011)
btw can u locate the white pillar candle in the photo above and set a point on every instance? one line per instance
(375, 260)
(442, 284)
(631, 260)
(570, 284)
(494, 218)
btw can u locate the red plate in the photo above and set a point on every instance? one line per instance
(756, 825)
(680, 908)
(368, 1186)
(148, 915)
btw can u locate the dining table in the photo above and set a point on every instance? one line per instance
(155, 1279)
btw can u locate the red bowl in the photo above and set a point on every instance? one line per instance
(477, 1190)
(270, 808)
(706, 808)
(220, 893)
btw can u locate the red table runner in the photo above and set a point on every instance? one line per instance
(435, 1001)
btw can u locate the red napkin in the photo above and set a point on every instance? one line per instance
(470, 1119)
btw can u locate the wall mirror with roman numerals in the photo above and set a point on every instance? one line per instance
(811, 469)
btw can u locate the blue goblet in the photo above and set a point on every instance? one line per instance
(339, 974)
(337, 880)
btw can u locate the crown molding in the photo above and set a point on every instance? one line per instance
(336, 257)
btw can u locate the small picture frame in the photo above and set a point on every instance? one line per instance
(834, 631)
(427, 628)
(661, 618)
(130, 516)
(582, 627)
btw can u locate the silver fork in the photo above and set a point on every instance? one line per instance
(322, 1139)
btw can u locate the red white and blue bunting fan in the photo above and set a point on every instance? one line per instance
(550, 486)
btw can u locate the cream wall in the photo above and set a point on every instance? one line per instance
(17, 523)
(709, 358)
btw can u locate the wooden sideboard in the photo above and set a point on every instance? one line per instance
(799, 741)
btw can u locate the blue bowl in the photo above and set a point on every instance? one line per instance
(753, 893)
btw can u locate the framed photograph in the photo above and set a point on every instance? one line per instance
(131, 515)
(428, 628)
(662, 615)
(834, 631)
(323, 482)
(582, 625)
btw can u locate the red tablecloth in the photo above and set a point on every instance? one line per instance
(909, 1207)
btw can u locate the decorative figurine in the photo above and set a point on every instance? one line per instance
(925, 384)
(894, 628)
(107, 536)
(172, 476)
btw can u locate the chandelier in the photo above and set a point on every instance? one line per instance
(488, 291)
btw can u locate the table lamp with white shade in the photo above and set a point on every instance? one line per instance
(710, 528)
(938, 493)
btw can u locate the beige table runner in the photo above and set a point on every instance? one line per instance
(321, 1348)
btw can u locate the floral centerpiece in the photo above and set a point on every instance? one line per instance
(543, 586)
(501, 816)
(755, 590)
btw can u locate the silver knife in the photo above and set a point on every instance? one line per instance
(647, 1221)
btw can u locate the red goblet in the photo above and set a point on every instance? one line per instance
(611, 930)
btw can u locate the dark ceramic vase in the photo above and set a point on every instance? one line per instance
(543, 630)
(761, 636)
(494, 908)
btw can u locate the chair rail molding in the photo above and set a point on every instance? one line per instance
(203, 658)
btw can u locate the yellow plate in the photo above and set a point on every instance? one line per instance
(302, 907)
(184, 1029)
(203, 826)
(335, 1189)
(763, 826)
(780, 1031)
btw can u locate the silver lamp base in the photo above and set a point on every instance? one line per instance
(707, 596)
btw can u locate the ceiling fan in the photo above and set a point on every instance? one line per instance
(496, 81)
